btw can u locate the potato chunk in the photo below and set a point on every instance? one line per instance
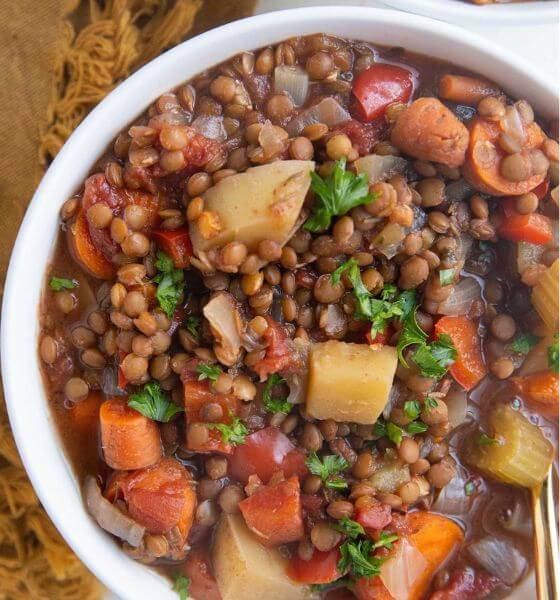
(349, 382)
(244, 568)
(261, 203)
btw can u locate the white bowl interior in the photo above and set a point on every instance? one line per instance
(32, 425)
(462, 12)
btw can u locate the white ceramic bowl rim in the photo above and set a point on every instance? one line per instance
(462, 12)
(30, 418)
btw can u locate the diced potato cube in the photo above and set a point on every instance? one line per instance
(521, 455)
(244, 568)
(261, 203)
(545, 297)
(349, 382)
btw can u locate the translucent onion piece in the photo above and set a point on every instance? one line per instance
(464, 246)
(512, 125)
(400, 572)
(170, 118)
(211, 126)
(499, 557)
(380, 168)
(328, 111)
(271, 141)
(504, 513)
(388, 241)
(456, 401)
(333, 320)
(109, 517)
(461, 298)
(109, 383)
(293, 80)
(452, 499)
(225, 322)
(399, 393)
(458, 191)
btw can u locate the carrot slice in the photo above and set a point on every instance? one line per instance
(484, 155)
(82, 248)
(533, 228)
(320, 568)
(177, 244)
(540, 390)
(466, 90)
(129, 440)
(85, 414)
(469, 368)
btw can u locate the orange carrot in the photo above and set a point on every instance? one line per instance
(85, 252)
(129, 440)
(466, 90)
(539, 390)
(85, 414)
(484, 155)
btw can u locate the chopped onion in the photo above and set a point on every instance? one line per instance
(452, 499)
(456, 401)
(211, 126)
(109, 383)
(461, 298)
(380, 168)
(499, 557)
(388, 241)
(297, 379)
(271, 141)
(328, 111)
(170, 118)
(109, 517)
(419, 218)
(464, 246)
(292, 80)
(512, 125)
(401, 572)
(458, 191)
(332, 320)
(503, 513)
(226, 324)
(398, 394)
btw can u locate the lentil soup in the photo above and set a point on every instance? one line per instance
(299, 331)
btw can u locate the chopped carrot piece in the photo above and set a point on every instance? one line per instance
(320, 568)
(533, 228)
(466, 90)
(540, 390)
(177, 244)
(129, 440)
(85, 414)
(274, 512)
(469, 368)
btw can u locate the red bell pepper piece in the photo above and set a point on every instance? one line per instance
(320, 568)
(381, 85)
(533, 228)
(469, 368)
(177, 244)
(274, 513)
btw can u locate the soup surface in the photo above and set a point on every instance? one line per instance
(299, 332)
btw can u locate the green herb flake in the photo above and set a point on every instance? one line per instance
(386, 540)
(523, 342)
(485, 440)
(356, 558)
(336, 194)
(446, 276)
(433, 359)
(171, 283)
(181, 586)
(411, 334)
(233, 434)
(469, 488)
(57, 284)
(412, 409)
(153, 403)
(394, 433)
(328, 469)
(211, 372)
(553, 355)
(275, 405)
(416, 427)
(350, 528)
(192, 324)
(430, 402)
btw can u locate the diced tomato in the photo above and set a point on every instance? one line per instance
(533, 228)
(469, 368)
(363, 136)
(374, 515)
(199, 393)
(381, 85)
(320, 568)
(278, 354)
(264, 453)
(540, 390)
(159, 497)
(274, 513)
(197, 568)
(176, 244)
(467, 584)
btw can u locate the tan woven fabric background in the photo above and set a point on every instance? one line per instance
(58, 58)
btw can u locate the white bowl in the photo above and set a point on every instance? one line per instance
(463, 13)
(30, 418)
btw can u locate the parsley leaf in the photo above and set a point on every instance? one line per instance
(153, 403)
(328, 469)
(485, 440)
(336, 194)
(553, 355)
(57, 284)
(192, 324)
(356, 558)
(385, 540)
(388, 430)
(234, 433)
(412, 409)
(181, 586)
(433, 359)
(430, 402)
(350, 528)
(446, 276)
(275, 405)
(469, 488)
(211, 372)
(411, 334)
(416, 427)
(171, 282)
(523, 342)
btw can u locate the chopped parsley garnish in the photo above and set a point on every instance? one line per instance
(275, 405)
(181, 586)
(523, 342)
(485, 440)
(356, 558)
(416, 427)
(430, 402)
(234, 433)
(211, 372)
(385, 540)
(446, 276)
(153, 403)
(412, 409)
(395, 433)
(171, 282)
(192, 324)
(469, 488)
(350, 528)
(57, 284)
(336, 194)
(553, 355)
(328, 469)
